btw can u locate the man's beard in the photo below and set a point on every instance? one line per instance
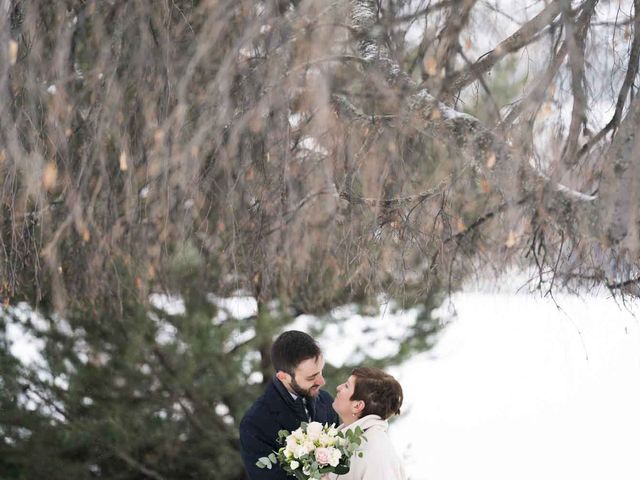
(302, 392)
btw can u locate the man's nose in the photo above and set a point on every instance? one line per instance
(320, 380)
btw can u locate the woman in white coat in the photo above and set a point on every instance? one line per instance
(366, 400)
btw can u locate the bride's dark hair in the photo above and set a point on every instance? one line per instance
(380, 392)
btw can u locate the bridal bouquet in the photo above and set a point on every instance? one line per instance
(314, 450)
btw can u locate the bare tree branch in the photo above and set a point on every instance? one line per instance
(537, 94)
(576, 35)
(447, 45)
(632, 70)
(526, 34)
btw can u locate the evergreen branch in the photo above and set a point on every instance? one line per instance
(395, 202)
(132, 462)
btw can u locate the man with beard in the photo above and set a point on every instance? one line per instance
(293, 396)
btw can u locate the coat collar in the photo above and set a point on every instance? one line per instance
(278, 397)
(365, 423)
(282, 392)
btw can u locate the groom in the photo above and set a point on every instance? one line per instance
(293, 396)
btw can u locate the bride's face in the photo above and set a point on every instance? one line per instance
(343, 405)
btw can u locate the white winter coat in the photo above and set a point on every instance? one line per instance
(379, 460)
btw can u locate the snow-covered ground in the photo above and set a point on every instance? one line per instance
(517, 389)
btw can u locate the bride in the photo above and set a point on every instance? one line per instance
(366, 400)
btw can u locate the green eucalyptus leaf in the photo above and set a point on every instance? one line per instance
(264, 462)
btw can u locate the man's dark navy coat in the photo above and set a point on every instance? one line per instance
(276, 410)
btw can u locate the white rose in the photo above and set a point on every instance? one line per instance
(314, 429)
(309, 445)
(300, 451)
(297, 434)
(332, 431)
(306, 469)
(334, 456)
(294, 465)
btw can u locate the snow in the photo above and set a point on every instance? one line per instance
(519, 389)
(24, 345)
(379, 333)
(239, 306)
(575, 194)
(171, 304)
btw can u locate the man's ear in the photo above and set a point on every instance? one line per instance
(283, 376)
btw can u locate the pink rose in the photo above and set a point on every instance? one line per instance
(323, 456)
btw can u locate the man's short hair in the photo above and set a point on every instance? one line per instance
(291, 348)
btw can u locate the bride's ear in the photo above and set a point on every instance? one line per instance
(358, 407)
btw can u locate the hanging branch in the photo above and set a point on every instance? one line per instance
(576, 34)
(526, 34)
(465, 131)
(448, 38)
(632, 71)
(539, 91)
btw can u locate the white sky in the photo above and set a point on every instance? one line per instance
(516, 389)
